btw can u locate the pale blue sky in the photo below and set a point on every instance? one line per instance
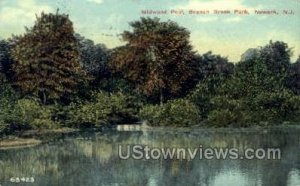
(226, 35)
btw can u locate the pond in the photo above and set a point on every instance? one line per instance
(92, 158)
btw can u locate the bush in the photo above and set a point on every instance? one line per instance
(266, 107)
(221, 118)
(180, 113)
(294, 109)
(17, 114)
(87, 114)
(205, 90)
(277, 106)
(229, 112)
(7, 104)
(103, 109)
(31, 114)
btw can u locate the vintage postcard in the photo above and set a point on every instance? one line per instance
(149, 92)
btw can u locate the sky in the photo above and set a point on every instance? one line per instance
(227, 35)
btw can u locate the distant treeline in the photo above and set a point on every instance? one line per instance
(53, 77)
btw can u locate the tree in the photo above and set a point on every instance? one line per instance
(276, 55)
(47, 58)
(294, 77)
(265, 68)
(251, 78)
(210, 64)
(5, 59)
(8, 96)
(94, 61)
(257, 90)
(93, 57)
(157, 57)
(213, 71)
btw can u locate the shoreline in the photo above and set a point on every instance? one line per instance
(16, 143)
(31, 138)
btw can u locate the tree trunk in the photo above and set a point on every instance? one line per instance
(161, 97)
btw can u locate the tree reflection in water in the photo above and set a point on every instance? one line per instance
(92, 159)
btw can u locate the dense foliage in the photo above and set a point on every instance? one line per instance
(46, 58)
(179, 113)
(51, 77)
(8, 98)
(257, 92)
(157, 57)
(104, 109)
(294, 77)
(5, 58)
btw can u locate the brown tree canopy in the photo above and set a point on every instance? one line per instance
(157, 56)
(47, 59)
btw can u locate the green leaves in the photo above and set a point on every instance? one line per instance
(157, 57)
(47, 59)
(34, 115)
(179, 113)
(104, 108)
(256, 93)
(7, 104)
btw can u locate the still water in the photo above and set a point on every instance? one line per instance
(90, 159)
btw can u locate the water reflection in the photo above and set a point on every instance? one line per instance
(91, 159)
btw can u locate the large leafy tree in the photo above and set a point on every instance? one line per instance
(213, 71)
(260, 70)
(276, 55)
(212, 64)
(266, 67)
(93, 57)
(257, 91)
(157, 57)
(47, 58)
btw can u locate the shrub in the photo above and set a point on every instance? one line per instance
(277, 106)
(180, 112)
(205, 90)
(221, 118)
(228, 112)
(294, 108)
(31, 114)
(87, 114)
(7, 104)
(266, 107)
(104, 108)
(16, 114)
